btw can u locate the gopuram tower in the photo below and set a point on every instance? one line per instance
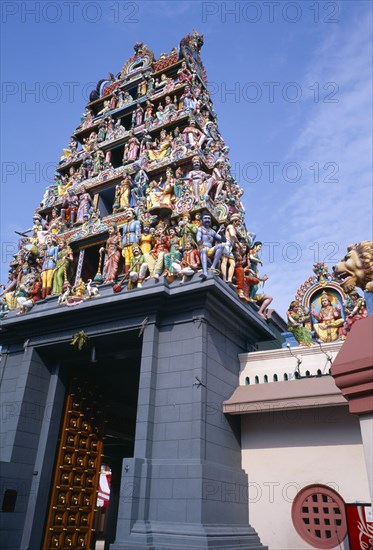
(127, 305)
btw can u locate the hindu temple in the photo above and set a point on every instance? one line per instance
(133, 306)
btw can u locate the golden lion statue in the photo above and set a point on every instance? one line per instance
(356, 268)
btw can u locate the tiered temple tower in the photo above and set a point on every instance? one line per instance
(139, 256)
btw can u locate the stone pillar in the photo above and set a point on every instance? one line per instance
(185, 487)
(352, 371)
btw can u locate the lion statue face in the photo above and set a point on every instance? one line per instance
(356, 268)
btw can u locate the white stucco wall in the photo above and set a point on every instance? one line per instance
(280, 361)
(284, 451)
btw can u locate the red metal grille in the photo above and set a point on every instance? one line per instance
(318, 515)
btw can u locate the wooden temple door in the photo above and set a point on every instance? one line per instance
(72, 504)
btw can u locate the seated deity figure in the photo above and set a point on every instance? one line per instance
(329, 320)
(184, 74)
(189, 264)
(155, 258)
(138, 268)
(218, 177)
(206, 238)
(356, 312)
(193, 136)
(295, 315)
(163, 149)
(31, 293)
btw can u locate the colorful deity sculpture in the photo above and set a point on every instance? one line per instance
(296, 320)
(206, 238)
(228, 260)
(85, 203)
(63, 268)
(329, 320)
(112, 252)
(49, 265)
(131, 232)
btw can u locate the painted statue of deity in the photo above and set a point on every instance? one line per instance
(30, 294)
(206, 239)
(188, 101)
(184, 74)
(357, 311)
(49, 264)
(131, 232)
(140, 185)
(179, 183)
(218, 177)
(131, 148)
(174, 255)
(122, 194)
(168, 189)
(190, 262)
(102, 131)
(154, 194)
(146, 239)
(170, 110)
(112, 252)
(137, 116)
(194, 137)
(85, 203)
(329, 320)
(69, 207)
(187, 231)
(227, 259)
(142, 87)
(159, 115)
(62, 272)
(148, 116)
(255, 261)
(155, 258)
(296, 319)
(162, 149)
(138, 268)
(198, 178)
(98, 162)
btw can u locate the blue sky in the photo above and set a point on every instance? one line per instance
(291, 84)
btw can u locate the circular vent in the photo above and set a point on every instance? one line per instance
(318, 515)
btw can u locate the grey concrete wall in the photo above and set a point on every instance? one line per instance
(24, 390)
(185, 488)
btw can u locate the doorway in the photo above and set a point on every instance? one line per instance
(97, 433)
